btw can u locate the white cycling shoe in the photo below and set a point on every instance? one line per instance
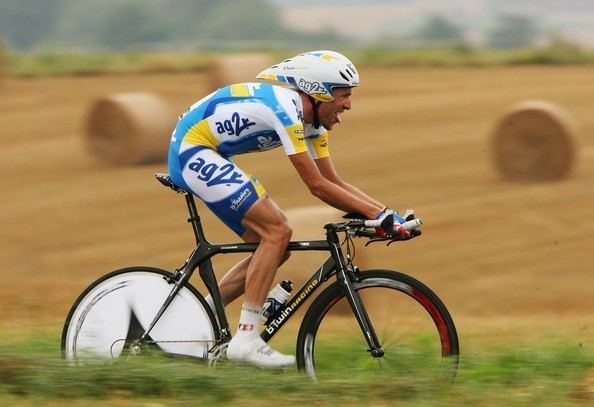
(257, 352)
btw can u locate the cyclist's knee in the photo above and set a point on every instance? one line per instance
(265, 220)
(280, 232)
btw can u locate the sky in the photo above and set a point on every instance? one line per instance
(368, 19)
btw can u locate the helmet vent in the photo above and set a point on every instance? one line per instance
(344, 76)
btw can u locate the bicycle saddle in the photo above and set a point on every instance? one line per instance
(166, 180)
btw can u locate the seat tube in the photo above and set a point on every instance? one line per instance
(208, 276)
(194, 218)
(345, 281)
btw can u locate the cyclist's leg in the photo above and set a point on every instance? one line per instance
(267, 222)
(232, 284)
(240, 201)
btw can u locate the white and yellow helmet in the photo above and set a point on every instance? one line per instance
(316, 73)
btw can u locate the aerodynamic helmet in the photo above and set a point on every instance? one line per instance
(316, 73)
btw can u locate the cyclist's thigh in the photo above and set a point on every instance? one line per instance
(264, 217)
(225, 188)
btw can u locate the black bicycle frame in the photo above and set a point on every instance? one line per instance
(201, 259)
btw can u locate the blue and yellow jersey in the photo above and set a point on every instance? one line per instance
(248, 117)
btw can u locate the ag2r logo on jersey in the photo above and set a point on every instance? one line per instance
(235, 125)
(214, 175)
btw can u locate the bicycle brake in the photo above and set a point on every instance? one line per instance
(413, 233)
(377, 239)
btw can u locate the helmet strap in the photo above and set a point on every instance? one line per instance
(315, 106)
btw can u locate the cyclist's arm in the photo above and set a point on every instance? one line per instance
(331, 193)
(327, 170)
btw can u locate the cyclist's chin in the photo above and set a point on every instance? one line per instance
(328, 124)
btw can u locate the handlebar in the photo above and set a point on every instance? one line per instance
(408, 225)
(368, 228)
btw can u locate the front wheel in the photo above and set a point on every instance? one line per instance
(413, 326)
(110, 316)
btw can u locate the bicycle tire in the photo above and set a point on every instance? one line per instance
(115, 310)
(398, 305)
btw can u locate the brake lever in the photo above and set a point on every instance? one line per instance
(413, 233)
(377, 239)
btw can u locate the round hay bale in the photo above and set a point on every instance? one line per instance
(130, 128)
(535, 141)
(235, 68)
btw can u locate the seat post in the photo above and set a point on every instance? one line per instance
(194, 218)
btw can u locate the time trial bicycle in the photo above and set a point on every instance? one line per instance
(393, 322)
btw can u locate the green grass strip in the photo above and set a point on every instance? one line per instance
(549, 375)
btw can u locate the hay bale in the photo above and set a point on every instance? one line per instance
(130, 128)
(535, 141)
(234, 68)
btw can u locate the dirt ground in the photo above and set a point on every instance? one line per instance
(507, 258)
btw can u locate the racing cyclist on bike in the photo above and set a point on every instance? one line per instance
(300, 100)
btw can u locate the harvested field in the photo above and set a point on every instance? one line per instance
(510, 259)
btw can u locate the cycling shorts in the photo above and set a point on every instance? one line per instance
(227, 191)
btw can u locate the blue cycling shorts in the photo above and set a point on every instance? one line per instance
(227, 191)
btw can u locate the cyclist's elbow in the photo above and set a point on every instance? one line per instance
(317, 189)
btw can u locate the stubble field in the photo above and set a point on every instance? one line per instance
(512, 261)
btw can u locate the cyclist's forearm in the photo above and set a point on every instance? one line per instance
(360, 194)
(343, 199)
(324, 183)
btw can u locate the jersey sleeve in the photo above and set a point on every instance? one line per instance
(318, 146)
(289, 121)
(294, 139)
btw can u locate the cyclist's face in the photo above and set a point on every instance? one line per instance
(330, 113)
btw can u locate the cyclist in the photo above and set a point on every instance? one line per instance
(298, 101)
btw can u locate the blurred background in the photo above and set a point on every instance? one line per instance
(94, 25)
(90, 91)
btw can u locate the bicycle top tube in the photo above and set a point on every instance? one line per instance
(305, 245)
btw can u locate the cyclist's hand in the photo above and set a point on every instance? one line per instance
(391, 225)
(408, 218)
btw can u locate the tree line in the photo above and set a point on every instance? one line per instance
(122, 24)
(175, 24)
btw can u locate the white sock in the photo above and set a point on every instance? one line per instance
(249, 320)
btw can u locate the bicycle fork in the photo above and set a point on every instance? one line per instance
(345, 273)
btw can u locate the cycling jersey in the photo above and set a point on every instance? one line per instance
(238, 119)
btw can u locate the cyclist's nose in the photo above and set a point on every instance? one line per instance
(347, 104)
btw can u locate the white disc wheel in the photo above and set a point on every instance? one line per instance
(110, 316)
